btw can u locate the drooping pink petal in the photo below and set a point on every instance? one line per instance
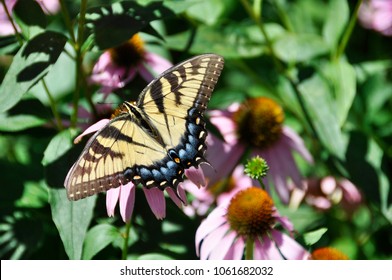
(223, 120)
(288, 165)
(174, 197)
(112, 196)
(290, 248)
(211, 241)
(127, 201)
(276, 174)
(350, 192)
(196, 176)
(284, 221)
(296, 143)
(236, 250)
(153, 66)
(259, 252)
(271, 251)
(93, 128)
(223, 158)
(223, 246)
(214, 220)
(156, 201)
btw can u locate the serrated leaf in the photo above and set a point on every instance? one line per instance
(57, 147)
(322, 112)
(72, 219)
(19, 122)
(98, 238)
(336, 21)
(30, 64)
(299, 47)
(313, 237)
(114, 24)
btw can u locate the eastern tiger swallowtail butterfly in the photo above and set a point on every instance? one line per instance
(153, 140)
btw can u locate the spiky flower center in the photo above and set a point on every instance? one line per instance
(259, 121)
(328, 253)
(130, 53)
(250, 212)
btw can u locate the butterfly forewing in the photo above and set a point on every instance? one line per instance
(153, 142)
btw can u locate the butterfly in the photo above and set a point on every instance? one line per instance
(154, 140)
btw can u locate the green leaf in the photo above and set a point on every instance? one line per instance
(336, 21)
(231, 41)
(313, 237)
(72, 219)
(322, 111)
(114, 24)
(154, 256)
(30, 17)
(98, 238)
(19, 122)
(342, 77)
(209, 12)
(299, 47)
(32, 62)
(58, 146)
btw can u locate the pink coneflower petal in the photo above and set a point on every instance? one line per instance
(223, 120)
(289, 247)
(285, 222)
(93, 128)
(112, 196)
(296, 143)
(174, 197)
(222, 157)
(265, 249)
(196, 176)
(153, 66)
(156, 201)
(223, 246)
(351, 193)
(236, 250)
(212, 240)
(127, 201)
(214, 220)
(289, 166)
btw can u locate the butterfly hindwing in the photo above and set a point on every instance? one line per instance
(154, 141)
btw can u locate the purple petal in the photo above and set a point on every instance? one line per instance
(259, 250)
(93, 128)
(214, 220)
(112, 196)
(127, 201)
(270, 249)
(212, 240)
(236, 251)
(290, 248)
(223, 246)
(196, 176)
(174, 197)
(156, 200)
(223, 158)
(296, 143)
(156, 63)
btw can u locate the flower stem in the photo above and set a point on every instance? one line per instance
(249, 248)
(347, 33)
(79, 60)
(17, 35)
(126, 240)
(53, 106)
(67, 20)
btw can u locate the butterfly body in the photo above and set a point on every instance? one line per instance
(152, 141)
